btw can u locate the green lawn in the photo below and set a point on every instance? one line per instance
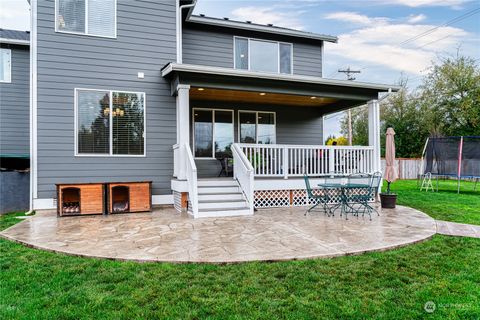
(395, 284)
(445, 204)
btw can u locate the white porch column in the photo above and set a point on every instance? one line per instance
(374, 132)
(183, 127)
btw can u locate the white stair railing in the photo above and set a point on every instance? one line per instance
(243, 173)
(191, 175)
(296, 160)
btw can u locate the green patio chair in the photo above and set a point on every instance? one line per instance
(364, 196)
(320, 199)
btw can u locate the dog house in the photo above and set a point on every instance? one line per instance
(78, 199)
(129, 197)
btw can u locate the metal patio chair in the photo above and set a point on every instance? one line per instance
(320, 199)
(365, 195)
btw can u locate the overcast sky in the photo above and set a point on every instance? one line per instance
(384, 39)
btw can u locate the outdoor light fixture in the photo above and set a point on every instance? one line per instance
(200, 89)
(313, 98)
(262, 93)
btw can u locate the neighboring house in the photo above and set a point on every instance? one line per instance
(14, 94)
(14, 120)
(144, 90)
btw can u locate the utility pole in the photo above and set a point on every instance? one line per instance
(350, 76)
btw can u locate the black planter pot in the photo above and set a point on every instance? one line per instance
(388, 201)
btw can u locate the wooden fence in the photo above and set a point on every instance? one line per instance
(407, 168)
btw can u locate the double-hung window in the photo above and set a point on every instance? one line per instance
(212, 132)
(5, 65)
(110, 123)
(89, 17)
(257, 127)
(262, 55)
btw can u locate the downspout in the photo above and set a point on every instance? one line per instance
(32, 91)
(179, 28)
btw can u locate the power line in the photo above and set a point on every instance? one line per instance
(454, 20)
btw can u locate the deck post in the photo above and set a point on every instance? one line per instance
(183, 127)
(374, 132)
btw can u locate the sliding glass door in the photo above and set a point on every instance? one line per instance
(212, 132)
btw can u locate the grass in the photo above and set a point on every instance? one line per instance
(395, 284)
(443, 205)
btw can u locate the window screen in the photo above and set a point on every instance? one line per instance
(5, 65)
(128, 123)
(71, 15)
(241, 53)
(285, 58)
(93, 123)
(92, 17)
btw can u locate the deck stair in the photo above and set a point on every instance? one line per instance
(221, 197)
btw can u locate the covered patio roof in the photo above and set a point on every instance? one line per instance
(228, 84)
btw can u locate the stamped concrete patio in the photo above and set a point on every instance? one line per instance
(271, 234)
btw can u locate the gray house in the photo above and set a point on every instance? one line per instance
(14, 120)
(143, 90)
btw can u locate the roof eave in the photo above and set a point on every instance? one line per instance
(15, 41)
(261, 28)
(174, 67)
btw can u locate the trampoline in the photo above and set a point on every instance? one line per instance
(452, 157)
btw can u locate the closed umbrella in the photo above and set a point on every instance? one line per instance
(390, 171)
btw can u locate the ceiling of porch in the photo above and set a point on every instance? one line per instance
(256, 97)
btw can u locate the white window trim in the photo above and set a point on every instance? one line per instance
(256, 123)
(213, 129)
(86, 23)
(9, 74)
(263, 40)
(110, 155)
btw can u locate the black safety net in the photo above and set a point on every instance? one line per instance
(444, 156)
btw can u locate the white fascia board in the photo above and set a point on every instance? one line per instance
(261, 28)
(172, 67)
(15, 41)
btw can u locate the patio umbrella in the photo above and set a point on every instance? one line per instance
(390, 171)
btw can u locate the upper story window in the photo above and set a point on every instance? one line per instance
(89, 17)
(263, 56)
(5, 65)
(110, 123)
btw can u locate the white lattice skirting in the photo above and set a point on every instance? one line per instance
(295, 198)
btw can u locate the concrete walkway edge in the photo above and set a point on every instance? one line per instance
(457, 229)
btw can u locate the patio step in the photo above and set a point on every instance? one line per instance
(223, 196)
(222, 204)
(212, 213)
(217, 182)
(218, 189)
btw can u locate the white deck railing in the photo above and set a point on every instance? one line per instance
(191, 175)
(274, 160)
(243, 173)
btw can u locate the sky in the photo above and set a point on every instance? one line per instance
(384, 39)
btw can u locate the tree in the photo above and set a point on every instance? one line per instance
(451, 91)
(340, 141)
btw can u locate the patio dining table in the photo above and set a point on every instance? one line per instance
(345, 200)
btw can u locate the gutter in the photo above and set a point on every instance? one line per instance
(179, 28)
(174, 67)
(15, 41)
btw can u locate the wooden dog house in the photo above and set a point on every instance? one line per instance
(79, 199)
(124, 197)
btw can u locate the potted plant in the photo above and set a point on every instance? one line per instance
(388, 199)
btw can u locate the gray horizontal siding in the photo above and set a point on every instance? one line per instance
(294, 125)
(214, 48)
(145, 43)
(14, 105)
